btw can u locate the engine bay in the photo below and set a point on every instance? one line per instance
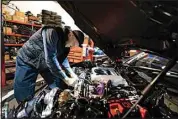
(104, 92)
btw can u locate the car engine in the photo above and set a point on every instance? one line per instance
(104, 92)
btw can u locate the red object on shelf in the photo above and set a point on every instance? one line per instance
(18, 35)
(17, 45)
(12, 21)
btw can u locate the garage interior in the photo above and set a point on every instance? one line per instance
(127, 66)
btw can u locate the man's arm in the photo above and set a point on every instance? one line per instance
(69, 69)
(50, 39)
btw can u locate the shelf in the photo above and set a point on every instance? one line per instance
(13, 45)
(18, 35)
(28, 24)
(10, 63)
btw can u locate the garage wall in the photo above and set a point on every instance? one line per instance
(36, 6)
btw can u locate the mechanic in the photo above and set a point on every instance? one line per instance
(45, 53)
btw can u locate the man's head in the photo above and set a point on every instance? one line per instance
(75, 38)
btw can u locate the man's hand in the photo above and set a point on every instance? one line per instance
(71, 81)
(74, 76)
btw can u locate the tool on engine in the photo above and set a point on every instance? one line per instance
(169, 65)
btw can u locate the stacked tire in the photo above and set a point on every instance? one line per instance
(49, 17)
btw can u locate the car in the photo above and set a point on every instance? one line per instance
(141, 86)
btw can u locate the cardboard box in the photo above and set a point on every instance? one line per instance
(3, 9)
(18, 18)
(15, 18)
(7, 57)
(21, 19)
(19, 13)
(8, 17)
(7, 30)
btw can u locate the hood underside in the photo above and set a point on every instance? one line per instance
(113, 24)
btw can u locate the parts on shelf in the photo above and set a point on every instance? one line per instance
(25, 30)
(19, 29)
(23, 19)
(11, 52)
(8, 17)
(7, 56)
(19, 13)
(7, 30)
(14, 29)
(18, 18)
(11, 40)
(15, 40)
(23, 23)
(28, 13)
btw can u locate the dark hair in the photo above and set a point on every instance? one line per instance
(79, 35)
(66, 31)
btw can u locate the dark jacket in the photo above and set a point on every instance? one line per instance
(43, 48)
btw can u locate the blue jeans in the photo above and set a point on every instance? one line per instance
(25, 79)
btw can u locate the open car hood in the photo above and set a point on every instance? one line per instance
(113, 24)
